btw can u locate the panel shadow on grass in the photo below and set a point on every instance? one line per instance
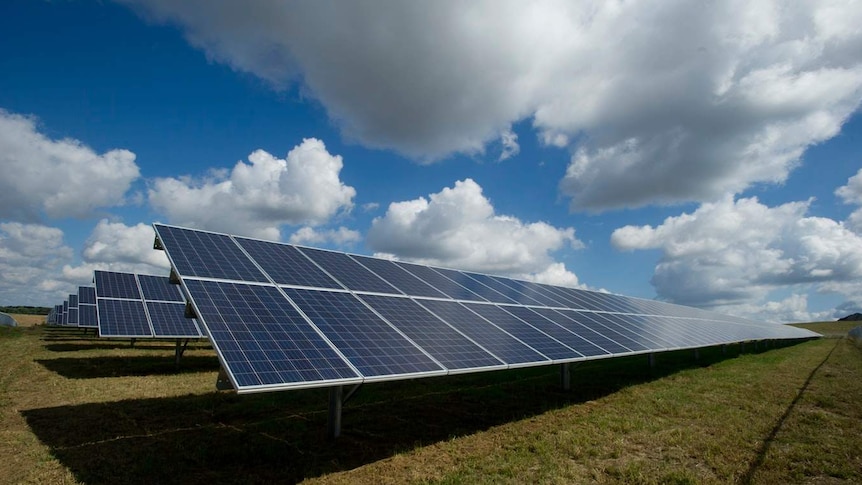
(280, 437)
(124, 366)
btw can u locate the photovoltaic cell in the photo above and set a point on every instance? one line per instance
(348, 272)
(571, 339)
(86, 295)
(207, 255)
(169, 320)
(399, 277)
(498, 342)
(159, 288)
(444, 343)
(123, 318)
(262, 339)
(512, 294)
(286, 265)
(448, 287)
(110, 284)
(368, 342)
(474, 286)
(87, 316)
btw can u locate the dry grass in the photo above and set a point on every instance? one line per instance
(29, 320)
(75, 409)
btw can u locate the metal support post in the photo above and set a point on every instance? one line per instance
(696, 354)
(565, 377)
(178, 352)
(651, 361)
(724, 349)
(133, 342)
(333, 426)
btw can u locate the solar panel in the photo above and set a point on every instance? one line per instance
(282, 316)
(72, 310)
(87, 317)
(141, 306)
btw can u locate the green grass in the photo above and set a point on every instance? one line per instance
(75, 409)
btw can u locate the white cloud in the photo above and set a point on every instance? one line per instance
(30, 257)
(115, 243)
(341, 236)
(792, 309)
(555, 274)
(852, 194)
(57, 178)
(659, 101)
(457, 227)
(735, 252)
(509, 140)
(255, 199)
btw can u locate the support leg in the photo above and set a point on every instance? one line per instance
(652, 361)
(133, 343)
(333, 426)
(565, 377)
(696, 354)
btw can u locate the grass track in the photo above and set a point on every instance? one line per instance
(75, 409)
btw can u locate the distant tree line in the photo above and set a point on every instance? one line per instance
(25, 310)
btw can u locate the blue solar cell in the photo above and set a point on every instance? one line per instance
(632, 338)
(440, 282)
(262, 339)
(86, 294)
(110, 284)
(73, 301)
(557, 331)
(169, 320)
(348, 272)
(87, 316)
(474, 286)
(571, 320)
(72, 317)
(511, 293)
(123, 318)
(516, 327)
(207, 255)
(450, 348)
(399, 277)
(589, 320)
(535, 291)
(285, 264)
(369, 343)
(496, 341)
(159, 288)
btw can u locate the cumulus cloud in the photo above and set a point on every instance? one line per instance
(30, 255)
(735, 252)
(115, 243)
(341, 236)
(852, 194)
(658, 101)
(57, 178)
(255, 198)
(457, 227)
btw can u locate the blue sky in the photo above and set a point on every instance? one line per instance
(704, 156)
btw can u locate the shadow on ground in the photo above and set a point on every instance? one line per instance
(280, 437)
(123, 366)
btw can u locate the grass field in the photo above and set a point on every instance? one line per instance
(76, 409)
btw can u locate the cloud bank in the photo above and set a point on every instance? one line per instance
(658, 101)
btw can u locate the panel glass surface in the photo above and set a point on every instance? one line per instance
(87, 316)
(535, 291)
(557, 331)
(498, 342)
(474, 286)
(450, 348)
(570, 320)
(348, 272)
(73, 316)
(450, 288)
(510, 292)
(368, 342)
(516, 327)
(87, 295)
(262, 339)
(207, 255)
(160, 288)
(286, 265)
(169, 320)
(123, 318)
(398, 277)
(73, 301)
(110, 284)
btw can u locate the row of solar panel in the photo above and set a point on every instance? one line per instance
(202, 254)
(265, 338)
(128, 305)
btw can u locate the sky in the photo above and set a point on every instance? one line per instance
(702, 153)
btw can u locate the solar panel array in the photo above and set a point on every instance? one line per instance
(141, 306)
(282, 316)
(87, 307)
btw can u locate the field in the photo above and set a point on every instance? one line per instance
(76, 409)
